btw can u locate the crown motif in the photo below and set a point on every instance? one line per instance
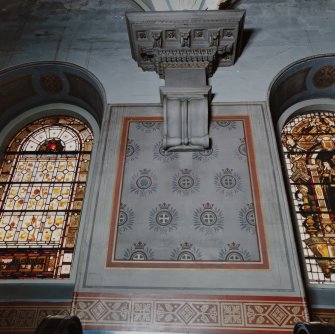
(145, 171)
(234, 245)
(123, 206)
(250, 206)
(186, 245)
(242, 140)
(139, 245)
(186, 171)
(208, 206)
(227, 171)
(164, 206)
(130, 141)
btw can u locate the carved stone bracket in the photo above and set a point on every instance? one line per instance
(185, 48)
(186, 118)
(185, 39)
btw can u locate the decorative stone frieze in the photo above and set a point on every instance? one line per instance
(185, 39)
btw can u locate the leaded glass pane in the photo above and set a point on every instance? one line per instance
(309, 149)
(42, 187)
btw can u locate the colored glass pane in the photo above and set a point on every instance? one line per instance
(42, 186)
(309, 150)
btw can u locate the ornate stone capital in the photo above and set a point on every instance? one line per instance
(187, 39)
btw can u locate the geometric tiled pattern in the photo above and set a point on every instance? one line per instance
(323, 315)
(209, 314)
(25, 317)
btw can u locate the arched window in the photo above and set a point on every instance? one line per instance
(309, 149)
(42, 185)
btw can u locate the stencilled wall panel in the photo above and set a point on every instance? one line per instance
(124, 187)
(187, 209)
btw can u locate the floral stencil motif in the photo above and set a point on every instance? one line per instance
(148, 126)
(208, 219)
(126, 218)
(228, 182)
(185, 182)
(241, 150)
(186, 252)
(139, 252)
(163, 155)
(248, 218)
(143, 183)
(229, 125)
(234, 253)
(206, 155)
(132, 151)
(163, 218)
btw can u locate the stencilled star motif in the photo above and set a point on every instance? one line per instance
(222, 124)
(139, 252)
(143, 183)
(233, 253)
(126, 218)
(185, 182)
(206, 155)
(208, 219)
(163, 155)
(163, 219)
(241, 151)
(248, 218)
(228, 182)
(148, 126)
(186, 252)
(132, 150)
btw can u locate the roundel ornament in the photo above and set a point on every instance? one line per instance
(228, 182)
(248, 218)
(185, 182)
(163, 218)
(208, 219)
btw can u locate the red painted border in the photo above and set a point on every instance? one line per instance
(262, 246)
(219, 326)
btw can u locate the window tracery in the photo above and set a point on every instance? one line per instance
(42, 184)
(309, 150)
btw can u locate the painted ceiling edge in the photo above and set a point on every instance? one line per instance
(281, 73)
(62, 66)
(79, 68)
(280, 76)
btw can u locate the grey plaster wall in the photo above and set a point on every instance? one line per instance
(282, 278)
(92, 34)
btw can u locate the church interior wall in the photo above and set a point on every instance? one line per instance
(89, 39)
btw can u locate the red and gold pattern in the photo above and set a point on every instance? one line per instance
(210, 314)
(23, 318)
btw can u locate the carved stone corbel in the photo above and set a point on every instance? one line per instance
(185, 48)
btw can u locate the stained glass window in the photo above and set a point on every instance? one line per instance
(309, 149)
(42, 184)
